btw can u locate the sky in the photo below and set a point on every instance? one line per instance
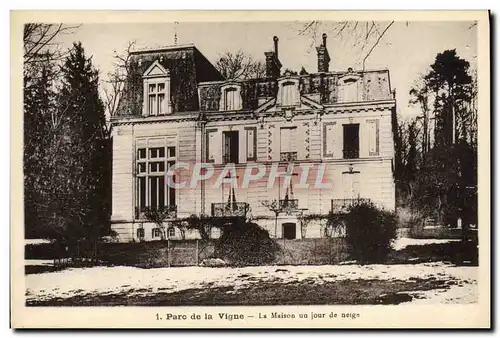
(407, 49)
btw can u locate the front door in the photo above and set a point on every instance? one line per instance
(289, 230)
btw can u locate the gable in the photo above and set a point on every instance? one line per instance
(305, 104)
(156, 69)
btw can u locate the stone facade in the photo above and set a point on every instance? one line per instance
(337, 126)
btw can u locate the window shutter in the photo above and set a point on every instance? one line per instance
(329, 137)
(373, 137)
(293, 139)
(285, 140)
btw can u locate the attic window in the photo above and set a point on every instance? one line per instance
(156, 91)
(288, 93)
(349, 88)
(230, 98)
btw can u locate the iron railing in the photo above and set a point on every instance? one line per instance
(288, 156)
(351, 153)
(230, 209)
(342, 205)
(289, 203)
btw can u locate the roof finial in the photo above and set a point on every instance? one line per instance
(175, 32)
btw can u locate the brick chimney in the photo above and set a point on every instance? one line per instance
(273, 64)
(323, 56)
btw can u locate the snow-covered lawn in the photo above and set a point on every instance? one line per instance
(114, 280)
(403, 242)
(100, 281)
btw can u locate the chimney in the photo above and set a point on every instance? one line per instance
(273, 64)
(323, 56)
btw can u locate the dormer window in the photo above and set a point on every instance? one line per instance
(230, 98)
(157, 91)
(349, 87)
(288, 93)
(156, 97)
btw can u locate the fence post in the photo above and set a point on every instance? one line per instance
(197, 253)
(168, 252)
(314, 252)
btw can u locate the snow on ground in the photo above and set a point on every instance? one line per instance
(112, 280)
(402, 243)
(36, 241)
(33, 262)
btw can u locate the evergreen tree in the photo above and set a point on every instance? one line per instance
(87, 169)
(446, 180)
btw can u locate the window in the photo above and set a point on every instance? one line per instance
(156, 96)
(155, 233)
(251, 143)
(152, 190)
(157, 152)
(231, 98)
(140, 234)
(350, 90)
(231, 147)
(171, 151)
(288, 93)
(288, 146)
(289, 230)
(328, 138)
(373, 137)
(141, 154)
(156, 90)
(171, 232)
(351, 141)
(351, 185)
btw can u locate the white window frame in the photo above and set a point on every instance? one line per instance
(349, 87)
(169, 235)
(288, 92)
(156, 75)
(237, 101)
(146, 162)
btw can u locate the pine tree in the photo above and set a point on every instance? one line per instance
(86, 195)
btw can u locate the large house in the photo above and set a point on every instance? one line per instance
(300, 143)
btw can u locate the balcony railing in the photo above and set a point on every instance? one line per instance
(170, 210)
(230, 209)
(289, 203)
(229, 159)
(288, 156)
(351, 153)
(342, 205)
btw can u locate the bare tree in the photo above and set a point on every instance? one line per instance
(113, 87)
(239, 66)
(363, 36)
(40, 43)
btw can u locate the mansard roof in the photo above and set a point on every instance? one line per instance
(186, 65)
(321, 89)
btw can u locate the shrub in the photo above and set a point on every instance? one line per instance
(245, 243)
(369, 232)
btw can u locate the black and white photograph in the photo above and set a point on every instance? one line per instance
(254, 163)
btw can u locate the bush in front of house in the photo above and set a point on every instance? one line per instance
(369, 232)
(244, 243)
